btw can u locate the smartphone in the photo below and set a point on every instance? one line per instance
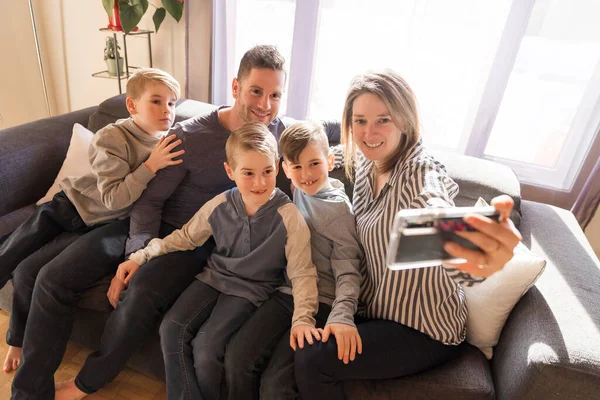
(418, 235)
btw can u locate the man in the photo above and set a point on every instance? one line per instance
(170, 200)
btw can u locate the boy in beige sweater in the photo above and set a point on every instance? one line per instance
(124, 157)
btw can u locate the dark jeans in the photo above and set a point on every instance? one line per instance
(151, 292)
(193, 336)
(390, 350)
(47, 222)
(60, 285)
(24, 277)
(56, 292)
(262, 347)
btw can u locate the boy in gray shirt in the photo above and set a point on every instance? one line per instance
(124, 157)
(259, 235)
(337, 255)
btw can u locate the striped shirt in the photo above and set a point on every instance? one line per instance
(430, 300)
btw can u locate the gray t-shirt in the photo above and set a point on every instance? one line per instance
(335, 249)
(251, 253)
(178, 191)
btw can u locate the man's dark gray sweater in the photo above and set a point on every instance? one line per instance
(178, 191)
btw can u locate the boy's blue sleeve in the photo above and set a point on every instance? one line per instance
(346, 261)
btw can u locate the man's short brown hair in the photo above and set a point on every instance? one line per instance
(140, 80)
(262, 56)
(250, 136)
(295, 139)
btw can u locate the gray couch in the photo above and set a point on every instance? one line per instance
(549, 348)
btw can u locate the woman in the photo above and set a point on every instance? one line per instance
(411, 320)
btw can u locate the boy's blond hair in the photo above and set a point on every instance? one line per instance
(296, 137)
(140, 80)
(250, 136)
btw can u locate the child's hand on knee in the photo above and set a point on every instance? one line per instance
(301, 332)
(114, 291)
(347, 338)
(126, 270)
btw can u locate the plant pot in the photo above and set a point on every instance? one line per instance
(111, 63)
(114, 22)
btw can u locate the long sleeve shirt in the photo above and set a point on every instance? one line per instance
(335, 247)
(118, 176)
(178, 191)
(430, 300)
(253, 255)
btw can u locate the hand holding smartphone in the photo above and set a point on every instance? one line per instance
(418, 235)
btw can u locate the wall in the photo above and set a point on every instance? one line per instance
(72, 49)
(21, 93)
(593, 233)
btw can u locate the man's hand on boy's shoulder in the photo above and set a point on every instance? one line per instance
(347, 338)
(301, 332)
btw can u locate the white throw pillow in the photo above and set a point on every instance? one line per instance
(490, 302)
(76, 162)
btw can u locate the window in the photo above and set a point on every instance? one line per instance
(516, 81)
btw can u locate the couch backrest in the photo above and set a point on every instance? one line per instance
(31, 156)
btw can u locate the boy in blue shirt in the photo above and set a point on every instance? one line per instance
(336, 253)
(259, 234)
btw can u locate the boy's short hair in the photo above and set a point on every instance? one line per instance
(140, 80)
(262, 56)
(296, 137)
(250, 136)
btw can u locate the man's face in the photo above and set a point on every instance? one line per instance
(258, 94)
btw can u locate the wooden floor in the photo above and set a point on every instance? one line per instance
(129, 385)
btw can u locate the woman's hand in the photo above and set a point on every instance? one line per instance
(497, 240)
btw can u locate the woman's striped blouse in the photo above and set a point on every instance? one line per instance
(430, 300)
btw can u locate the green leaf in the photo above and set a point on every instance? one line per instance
(131, 13)
(158, 17)
(174, 7)
(108, 6)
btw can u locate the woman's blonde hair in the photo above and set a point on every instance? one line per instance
(400, 100)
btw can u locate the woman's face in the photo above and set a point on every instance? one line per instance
(373, 130)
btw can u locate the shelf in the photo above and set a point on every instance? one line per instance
(127, 68)
(138, 32)
(104, 74)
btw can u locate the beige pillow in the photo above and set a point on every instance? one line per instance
(490, 303)
(76, 162)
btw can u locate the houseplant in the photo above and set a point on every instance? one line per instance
(111, 53)
(126, 14)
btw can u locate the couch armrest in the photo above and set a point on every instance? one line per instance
(549, 345)
(31, 156)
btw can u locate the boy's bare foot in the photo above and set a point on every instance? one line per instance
(68, 391)
(13, 359)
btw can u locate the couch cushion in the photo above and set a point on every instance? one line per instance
(108, 112)
(31, 155)
(549, 347)
(466, 377)
(11, 221)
